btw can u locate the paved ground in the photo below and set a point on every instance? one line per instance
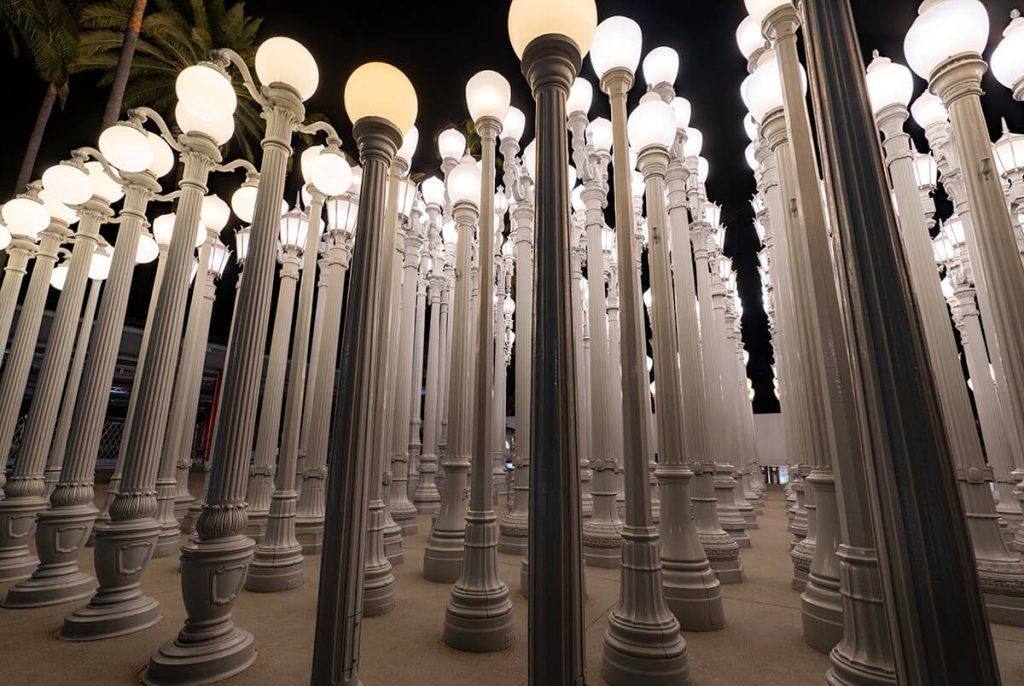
(760, 645)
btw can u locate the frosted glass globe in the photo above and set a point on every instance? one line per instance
(694, 142)
(377, 89)
(749, 37)
(433, 191)
(1009, 151)
(220, 131)
(220, 256)
(683, 111)
(308, 160)
(56, 208)
(147, 250)
(759, 9)
(58, 276)
(762, 90)
(332, 175)
(215, 213)
(410, 140)
(661, 65)
(513, 125)
(24, 216)
(751, 157)
(5, 237)
(576, 199)
(283, 60)
(243, 201)
(750, 127)
(449, 234)
(617, 45)
(99, 267)
(1008, 58)
(69, 183)
(530, 159)
(242, 237)
(488, 94)
(293, 229)
(126, 147)
(530, 19)
(581, 96)
(206, 93)
(652, 123)
(703, 169)
(945, 28)
(163, 156)
(637, 186)
(599, 134)
(889, 83)
(464, 182)
(451, 144)
(928, 110)
(102, 185)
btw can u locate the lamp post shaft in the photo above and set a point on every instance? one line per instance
(415, 428)
(936, 634)
(277, 563)
(340, 606)
(427, 498)
(314, 361)
(19, 252)
(24, 491)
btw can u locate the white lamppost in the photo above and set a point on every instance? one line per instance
(382, 103)
(944, 46)
(478, 617)
(641, 619)
(890, 87)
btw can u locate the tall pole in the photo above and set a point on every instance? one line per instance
(118, 607)
(556, 654)
(24, 492)
(314, 357)
(938, 637)
(1000, 572)
(340, 604)
(692, 592)
(277, 563)
(426, 497)
(478, 616)
(634, 627)
(19, 252)
(415, 439)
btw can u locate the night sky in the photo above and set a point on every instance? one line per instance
(440, 45)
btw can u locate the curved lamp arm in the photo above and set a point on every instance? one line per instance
(169, 197)
(240, 163)
(333, 139)
(144, 114)
(225, 56)
(89, 152)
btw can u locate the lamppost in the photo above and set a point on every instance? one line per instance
(592, 143)
(551, 46)
(426, 497)
(691, 590)
(514, 531)
(58, 579)
(289, 76)
(99, 270)
(277, 563)
(478, 616)
(382, 103)
(890, 87)
(811, 268)
(24, 492)
(944, 46)
(641, 619)
(20, 248)
(118, 606)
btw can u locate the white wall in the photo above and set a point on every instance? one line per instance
(770, 439)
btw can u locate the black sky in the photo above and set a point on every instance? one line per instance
(441, 44)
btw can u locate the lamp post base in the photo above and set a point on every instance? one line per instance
(442, 560)
(693, 595)
(822, 610)
(17, 525)
(61, 533)
(180, 662)
(310, 534)
(378, 580)
(256, 528)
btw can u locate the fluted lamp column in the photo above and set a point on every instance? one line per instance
(210, 646)
(57, 578)
(478, 616)
(277, 563)
(1001, 573)
(20, 250)
(642, 641)
(24, 493)
(382, 102)
(692, 592)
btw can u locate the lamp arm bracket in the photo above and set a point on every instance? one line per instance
(168, 197)
(143, 114)
(333, 139)
(235, 165)
(95, 154)
(226, 56)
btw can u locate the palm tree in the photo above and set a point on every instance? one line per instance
(124, 63)
(45, 30)
(179, 33)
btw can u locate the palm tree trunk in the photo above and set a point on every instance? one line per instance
(124, 64)
(28, 162)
